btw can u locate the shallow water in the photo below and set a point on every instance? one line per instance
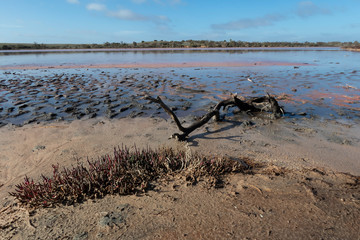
(328, 87)
(103, 56)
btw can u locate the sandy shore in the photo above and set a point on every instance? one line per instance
(299, 145)
(299, 193)
(353, 49)
(158, 65)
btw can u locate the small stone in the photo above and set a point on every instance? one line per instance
(19, 103)
(92, 115)
(112, 115)
(81, 236)
(38, 147)
(122, 207)
(111, 219)
(79, 115)
(69, 109)
(10, 109)
(234, 193)
(51, 116)
(109, 111)
(123, 109)
(38, 108)
(21, 112)
(135, 114)
(247, 123)
(32, 120)
(23, 106)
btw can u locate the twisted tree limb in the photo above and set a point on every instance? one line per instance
(266, 103)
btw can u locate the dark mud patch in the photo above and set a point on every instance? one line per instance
(49, 95)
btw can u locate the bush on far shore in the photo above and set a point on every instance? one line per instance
(176, 44)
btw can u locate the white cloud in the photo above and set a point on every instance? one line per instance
(10, 26)
(126, 14)
(73, 1)
(128, 32)
(138, 1)
(354, 25)
(163, 18)
(244, 23)
(175, 1)
(96, 7)
(161, 2)
(165, 2)
(307, 9)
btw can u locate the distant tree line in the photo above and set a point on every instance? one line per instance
(177, 44)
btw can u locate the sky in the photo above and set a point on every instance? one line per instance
(99, 21)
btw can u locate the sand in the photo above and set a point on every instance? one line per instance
(308, 187)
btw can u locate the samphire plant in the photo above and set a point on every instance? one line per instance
(125, 172)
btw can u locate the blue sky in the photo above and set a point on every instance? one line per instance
(99, 21)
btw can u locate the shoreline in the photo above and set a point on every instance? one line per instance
(159, 65)
(352, 49)
(165, 49)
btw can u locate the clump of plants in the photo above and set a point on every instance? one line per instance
(125, 172)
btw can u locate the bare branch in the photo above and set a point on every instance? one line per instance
(266, 103)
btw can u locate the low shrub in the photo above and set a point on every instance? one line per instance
(124, 172)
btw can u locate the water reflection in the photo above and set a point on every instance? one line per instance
(118, 56)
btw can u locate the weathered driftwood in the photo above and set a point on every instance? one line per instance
(266, 103)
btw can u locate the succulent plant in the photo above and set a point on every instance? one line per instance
(124, 172)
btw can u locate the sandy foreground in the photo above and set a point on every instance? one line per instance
(308, 187)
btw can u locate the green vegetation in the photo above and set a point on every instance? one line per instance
(176, 44)
(354, 45)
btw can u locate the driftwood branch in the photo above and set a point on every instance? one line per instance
(266, 103)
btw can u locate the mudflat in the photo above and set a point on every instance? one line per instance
(50, 95)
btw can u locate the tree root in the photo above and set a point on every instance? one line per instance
(258, 104)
